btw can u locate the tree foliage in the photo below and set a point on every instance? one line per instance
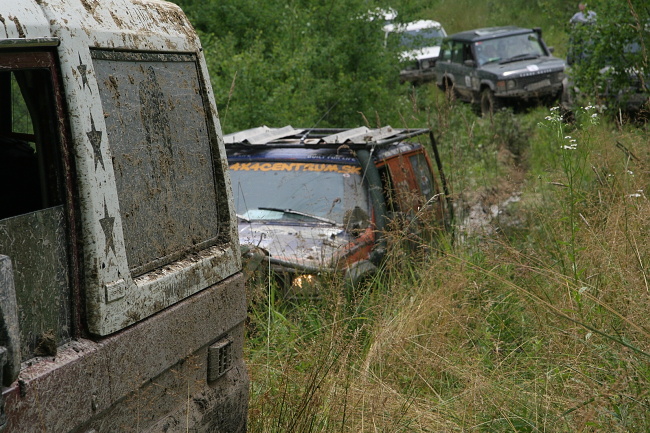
(609, 57)
(324, 63)
(299, 62)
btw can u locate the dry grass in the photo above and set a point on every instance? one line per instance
(537, 327)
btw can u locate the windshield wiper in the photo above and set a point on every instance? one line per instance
(295, 212)
(518, 57)
(492, 60)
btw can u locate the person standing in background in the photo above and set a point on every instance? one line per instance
(584, 15)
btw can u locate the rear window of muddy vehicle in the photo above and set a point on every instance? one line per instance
(163, 168)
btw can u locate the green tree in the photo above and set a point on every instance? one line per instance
(301, 63)
(611, 54)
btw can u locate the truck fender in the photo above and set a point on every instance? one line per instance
(359, 271)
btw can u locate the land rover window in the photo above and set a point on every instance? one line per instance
(457, 52)
(445, 51)
(34, 231)
(162, 156)
(423, 175)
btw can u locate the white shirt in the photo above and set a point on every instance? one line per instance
(581, 17)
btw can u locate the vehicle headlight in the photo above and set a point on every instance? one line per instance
(506, 85)
(426, 64)
(304, 281)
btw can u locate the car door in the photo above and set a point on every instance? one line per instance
(463, 68)
(414, 187)
(37, 229)
(414, 195)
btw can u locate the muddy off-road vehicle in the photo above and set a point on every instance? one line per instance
(499, 66)
(419, 43)
(122, 300)
(320, 201)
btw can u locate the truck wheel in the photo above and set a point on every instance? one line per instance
(449, 89)
(489, 103)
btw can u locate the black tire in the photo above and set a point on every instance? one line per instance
(450, 90)
(490, 104)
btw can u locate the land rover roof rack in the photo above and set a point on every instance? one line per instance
(289, 136)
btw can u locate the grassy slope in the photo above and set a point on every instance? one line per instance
(535, 321)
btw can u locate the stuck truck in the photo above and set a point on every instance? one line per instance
(122, 301)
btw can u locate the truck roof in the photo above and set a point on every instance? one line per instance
(488, 33)
(114, 24)
(413, 25)
(326, 145)
(288, 136)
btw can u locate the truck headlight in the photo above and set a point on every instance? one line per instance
(304, 281)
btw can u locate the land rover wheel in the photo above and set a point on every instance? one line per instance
(449, 89)
(489, 103)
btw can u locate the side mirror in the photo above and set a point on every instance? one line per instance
(252, 258)
(551, 50)
(470, 63)
(356, 221)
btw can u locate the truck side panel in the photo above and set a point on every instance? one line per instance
(123, 383)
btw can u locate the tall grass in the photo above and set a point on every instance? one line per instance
(538, 324)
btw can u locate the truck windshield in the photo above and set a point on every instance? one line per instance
(414, 39)
(306, 192)
(509, 48)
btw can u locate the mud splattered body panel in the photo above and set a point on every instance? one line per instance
(158, 151)
(125, 265)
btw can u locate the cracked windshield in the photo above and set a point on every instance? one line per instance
(304, 192)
